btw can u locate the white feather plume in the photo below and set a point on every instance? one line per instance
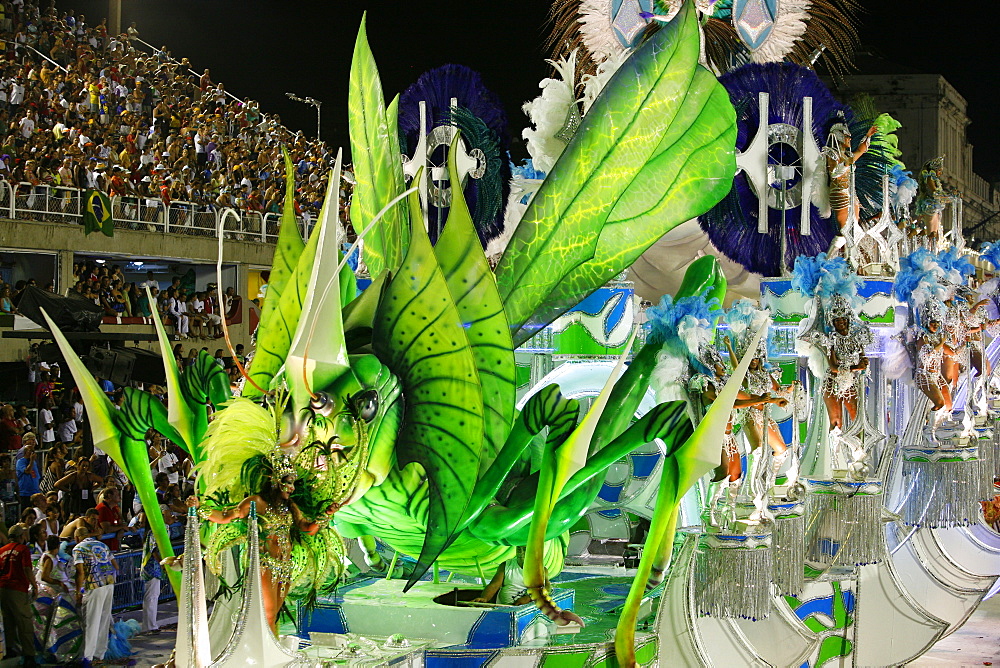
(789, 27)
(548, 113)
(670, 374)
(597, 31)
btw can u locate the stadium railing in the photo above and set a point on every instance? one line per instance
(57, 204)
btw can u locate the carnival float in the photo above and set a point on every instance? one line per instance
(477, 447)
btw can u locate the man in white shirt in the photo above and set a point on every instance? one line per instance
(27, 125)
(46, 425)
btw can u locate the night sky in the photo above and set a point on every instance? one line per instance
(263, 49)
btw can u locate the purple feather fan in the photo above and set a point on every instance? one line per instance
(484, 126)
(732, 224)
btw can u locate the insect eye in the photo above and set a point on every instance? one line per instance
(321, 403)
(366, 405)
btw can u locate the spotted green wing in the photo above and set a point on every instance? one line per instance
(472, 286)
(378, 169)
(419, 335)
(655, 149)
(286, 256)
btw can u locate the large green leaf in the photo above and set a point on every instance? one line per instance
(100, 411)
(378, 169)
(419, 335)
(274, 342)
(656, 149)
(179, 413)
(474, 291)
(318, 353)
(286, 255)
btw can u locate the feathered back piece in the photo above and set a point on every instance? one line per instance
(956, 265)
(601, 30)
(732, 224)
(744, 319)
(242, 437)
(483, 122)
(827, 278)
(921, 277)
(991, 253)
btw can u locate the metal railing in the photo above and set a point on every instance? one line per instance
(59, 204)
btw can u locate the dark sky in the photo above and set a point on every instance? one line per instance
(261, 49)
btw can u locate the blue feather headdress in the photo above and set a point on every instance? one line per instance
(921, 277)
(664, 320)
(826, 278)
(956, 265)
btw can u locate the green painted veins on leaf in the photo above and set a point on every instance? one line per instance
(655, 149)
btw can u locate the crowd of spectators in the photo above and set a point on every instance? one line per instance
(192, 313)
(64, 498)
(86, 109)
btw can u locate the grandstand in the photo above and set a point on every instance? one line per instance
(177, 155)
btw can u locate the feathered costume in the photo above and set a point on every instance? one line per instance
(832, 286)
(732, 224)
(244, 438)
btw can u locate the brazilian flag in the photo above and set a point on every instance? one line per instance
(97, 213)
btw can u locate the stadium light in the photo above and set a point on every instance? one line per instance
(311, 101)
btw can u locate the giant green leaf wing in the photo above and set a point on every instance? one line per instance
(418, 334)
(474, 291)
(286, 255)
(274, 341)
(377, 166)
(655, 149)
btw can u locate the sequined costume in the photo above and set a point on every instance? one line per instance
(848, 349)
(840, 182)
(928, 376)
(956, 332)
(276, 532)
(760, 382)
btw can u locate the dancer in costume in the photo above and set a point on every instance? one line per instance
(844, 346)
(840, 161)
(931, 347)
(690, 368)
(763, 386)
(931, 199)
(976, 321)
(57, 622)
(245, 459)
(703, 388)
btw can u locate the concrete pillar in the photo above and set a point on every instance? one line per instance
(64, 272)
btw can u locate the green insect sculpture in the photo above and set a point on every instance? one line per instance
(406, 392)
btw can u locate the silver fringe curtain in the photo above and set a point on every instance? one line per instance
(733, 576)
(844, 522)
(945, 487)
(788, 547)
